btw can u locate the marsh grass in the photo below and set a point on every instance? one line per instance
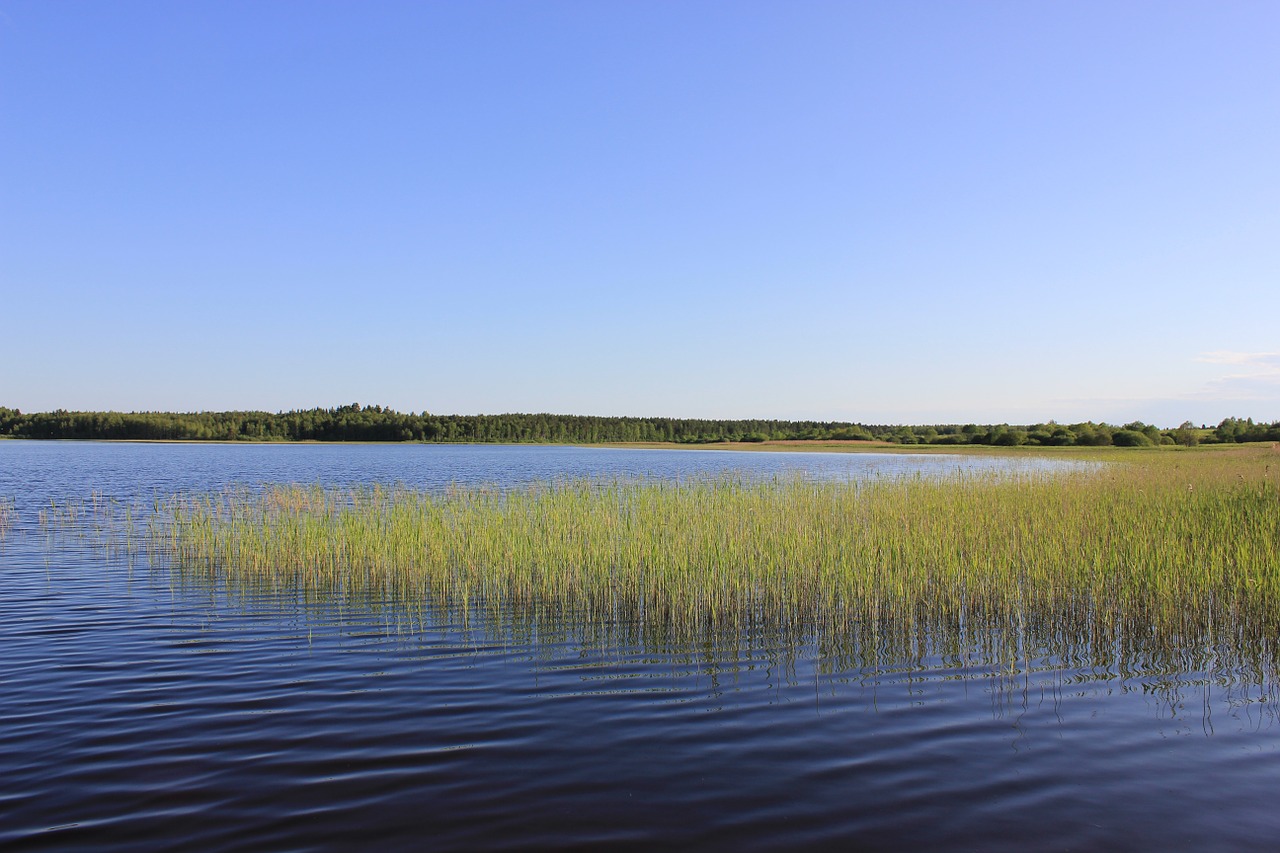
(104, 524)
(1163, 562)
(8, 516)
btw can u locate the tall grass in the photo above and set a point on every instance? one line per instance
(103, 522)
(8, 515)
(1172, 559)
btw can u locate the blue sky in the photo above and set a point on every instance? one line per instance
(918, 212)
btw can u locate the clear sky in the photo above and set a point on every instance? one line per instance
(923, 212)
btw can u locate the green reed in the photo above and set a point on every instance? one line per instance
(1171, 559)
(98, 521)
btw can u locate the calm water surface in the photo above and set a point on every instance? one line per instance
(141, 711)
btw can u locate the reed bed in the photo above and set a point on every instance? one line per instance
(1169, 560)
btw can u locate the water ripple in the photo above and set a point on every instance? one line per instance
(139, 713)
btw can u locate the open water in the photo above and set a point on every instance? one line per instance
(138, 711)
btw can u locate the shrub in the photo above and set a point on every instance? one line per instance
(1130, 438)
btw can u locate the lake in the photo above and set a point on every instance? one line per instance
(142, 709)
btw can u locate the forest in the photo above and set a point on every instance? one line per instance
(377, 423)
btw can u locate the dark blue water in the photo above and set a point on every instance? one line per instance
(139, 711)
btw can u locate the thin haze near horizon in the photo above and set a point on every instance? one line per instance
(880, 212)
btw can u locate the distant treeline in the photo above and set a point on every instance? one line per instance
(375, 423)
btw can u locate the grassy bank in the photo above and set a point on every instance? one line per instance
(1158, 554)
(1101, 454)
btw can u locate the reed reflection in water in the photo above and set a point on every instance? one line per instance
(1166, 568)
(985, 661)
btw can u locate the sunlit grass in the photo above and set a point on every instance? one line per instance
(1158, 560)
(8, 516)
(1164, 554)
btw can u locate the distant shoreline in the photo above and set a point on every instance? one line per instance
(780, 446)
(376, 424)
